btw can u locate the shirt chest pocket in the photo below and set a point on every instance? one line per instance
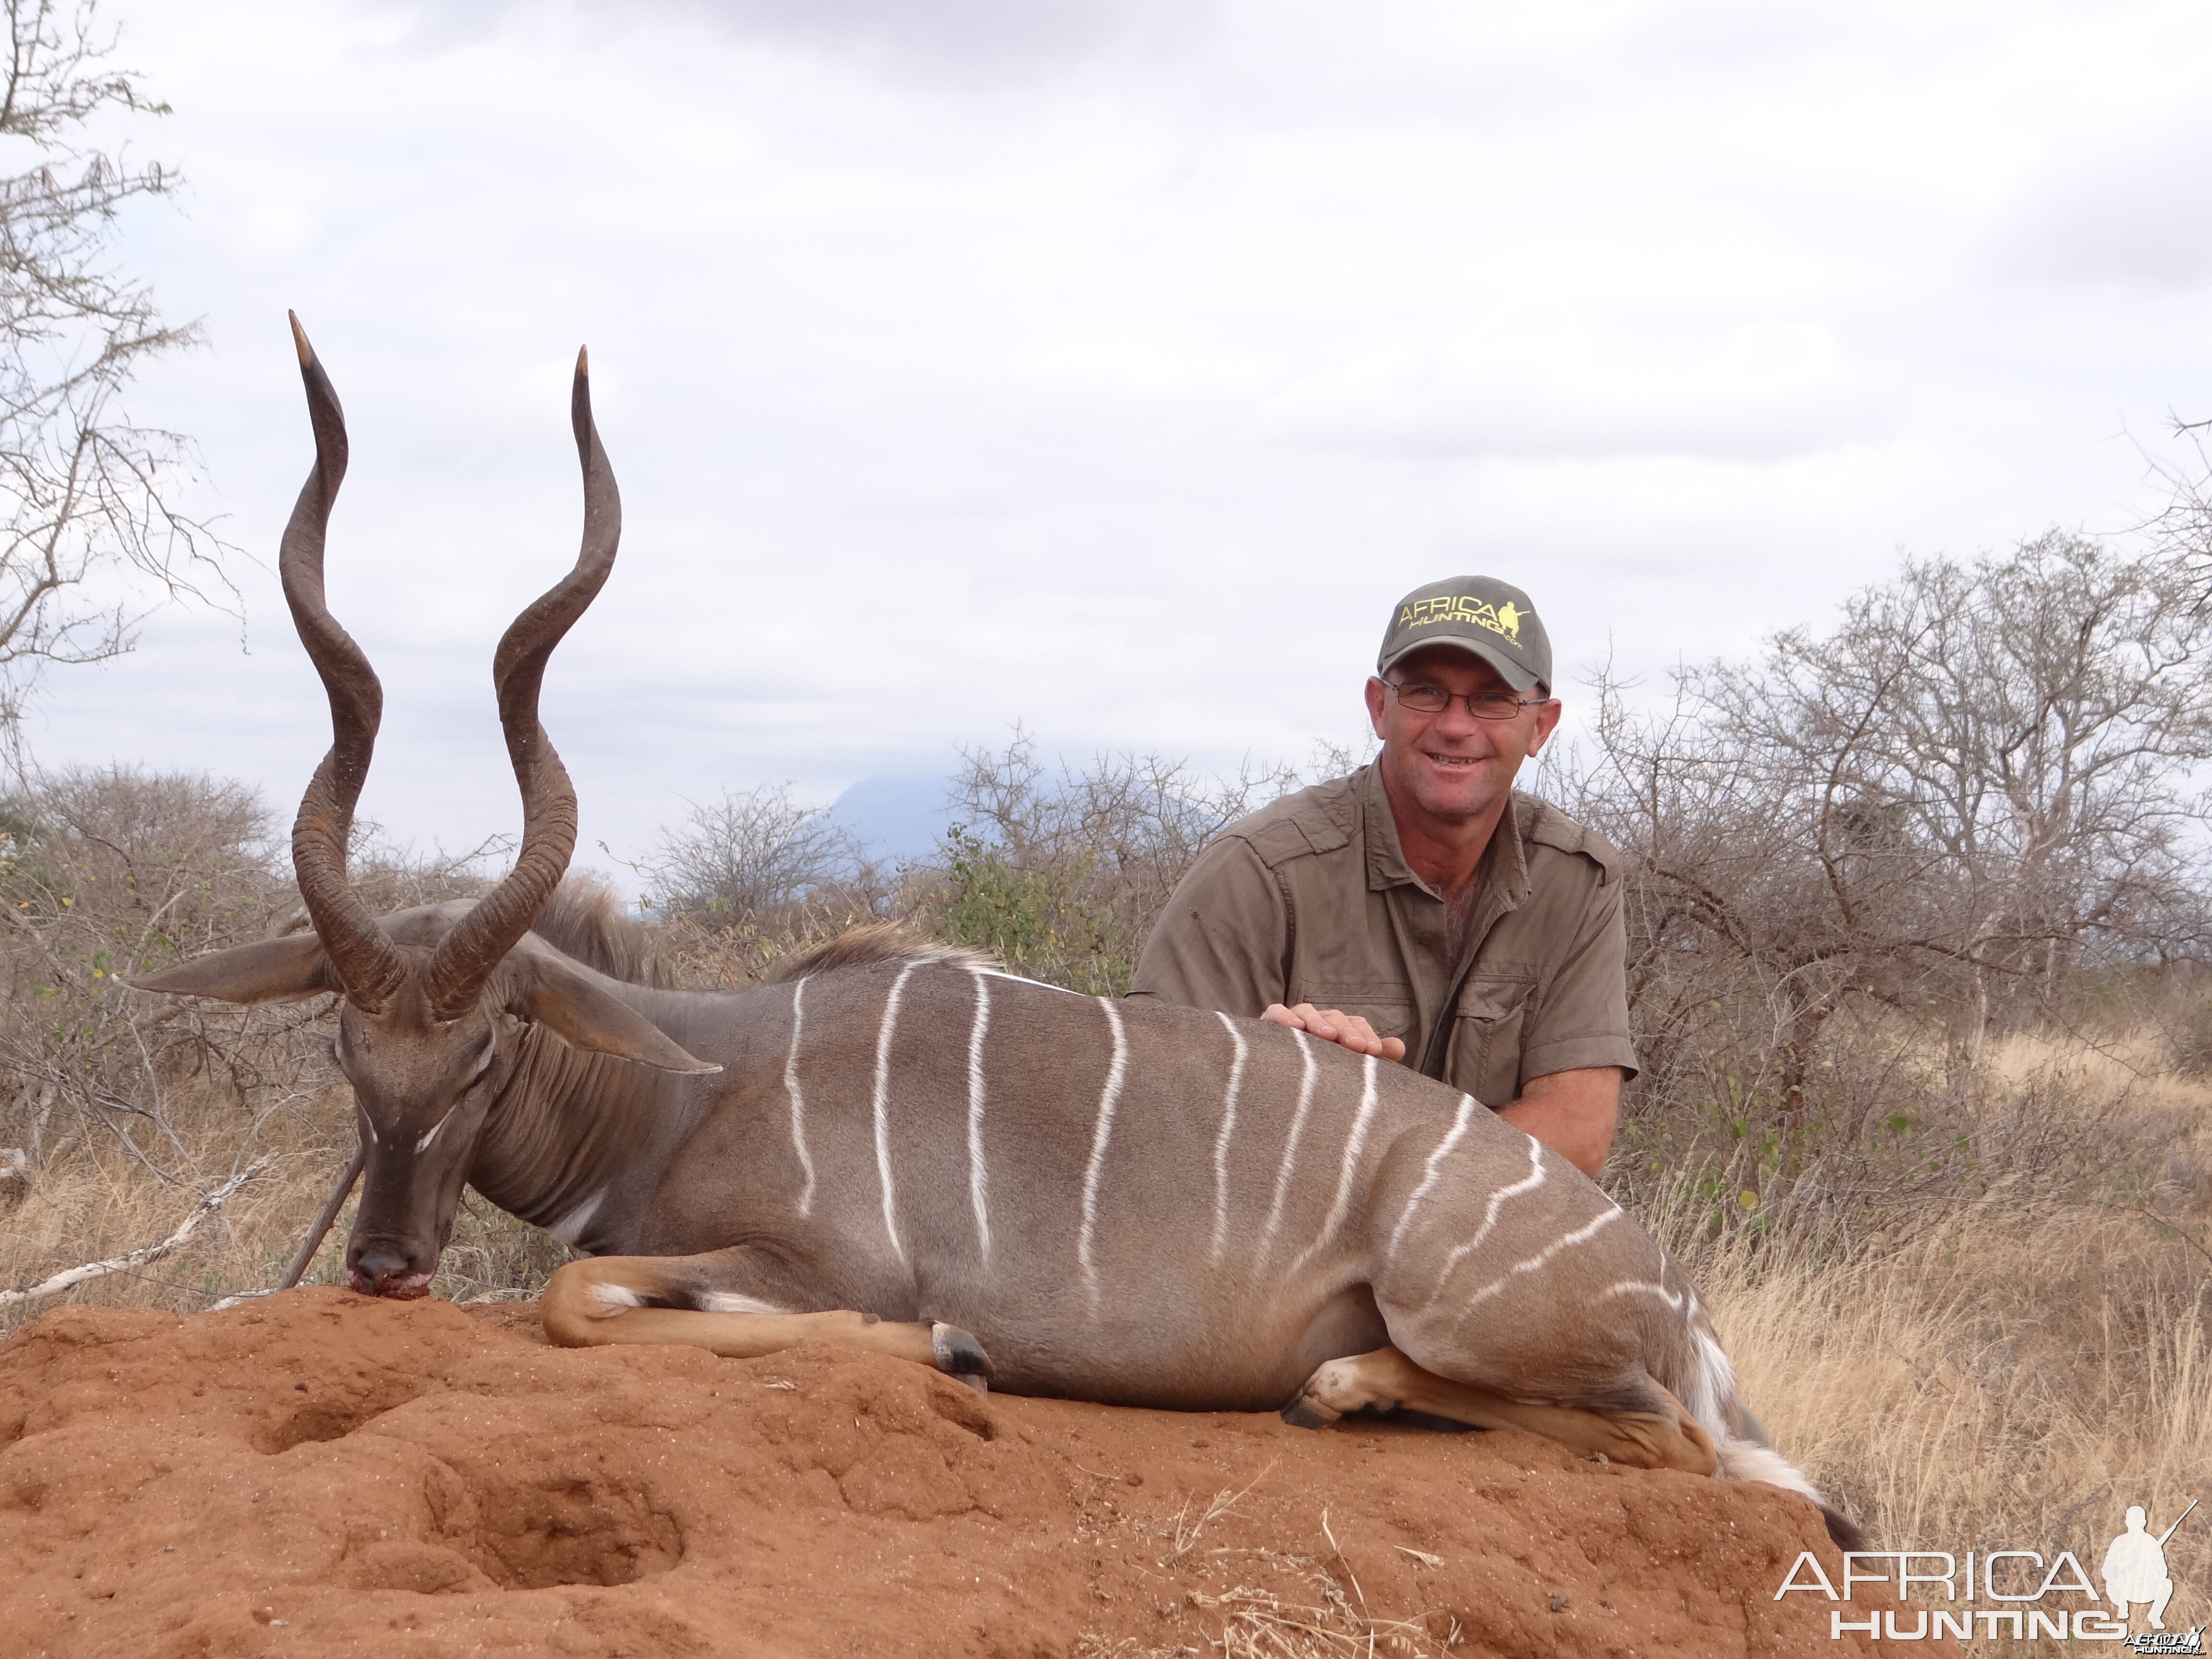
(1484, 1055)
(1387, 1006)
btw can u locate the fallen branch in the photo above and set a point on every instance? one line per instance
(200, 1211)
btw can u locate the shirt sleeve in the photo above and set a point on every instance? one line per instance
(1583, 1019)
(1223, 940)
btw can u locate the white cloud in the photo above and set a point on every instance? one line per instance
(1542, 383)
(1112, 366)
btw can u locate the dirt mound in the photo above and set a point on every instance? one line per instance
(320, 1473)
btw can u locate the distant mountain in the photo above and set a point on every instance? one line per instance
(897, 816)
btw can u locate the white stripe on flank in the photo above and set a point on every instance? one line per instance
(1290, 1148)
(1221, 1140)
(1638, 1287)
(977, 1189)
(1000, 973)
(882, 1117)
(1430, 1170)
(1354, 1145)
(799, 1104)
(1580, 1235)
(1107, 1100)
(1527, 1183)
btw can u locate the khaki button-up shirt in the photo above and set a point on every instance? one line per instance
(1310, 900)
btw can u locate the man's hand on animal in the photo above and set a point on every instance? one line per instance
(1334, 1025)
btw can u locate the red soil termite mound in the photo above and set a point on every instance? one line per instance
(320, 1473)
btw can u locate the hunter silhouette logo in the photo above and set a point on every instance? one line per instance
(2032, 1598)
(1503, 620)
(2134, 1574)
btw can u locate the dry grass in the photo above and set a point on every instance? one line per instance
(1268, 1601)
(1997, 1382)
(91, 1199)
(2135, 1064)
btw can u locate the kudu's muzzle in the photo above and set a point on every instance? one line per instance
(405, 1219)
(380, 1267)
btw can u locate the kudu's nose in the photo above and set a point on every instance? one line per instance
(384, 1270)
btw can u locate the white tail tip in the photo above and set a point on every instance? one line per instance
(1747, 1459)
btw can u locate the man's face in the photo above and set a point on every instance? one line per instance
(1451, 765)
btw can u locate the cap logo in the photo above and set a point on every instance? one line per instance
(1503, 620)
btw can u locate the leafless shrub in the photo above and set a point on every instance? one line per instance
(755, 856)
(389, 878)
(1971, 808)
(85, 493)
(1060, 872)
(109, 872)
(752, 878)
(1878, 1154)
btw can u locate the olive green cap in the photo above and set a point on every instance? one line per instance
(1491, 619)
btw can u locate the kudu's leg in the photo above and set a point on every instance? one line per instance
(653, 1298)
(1665, 1437)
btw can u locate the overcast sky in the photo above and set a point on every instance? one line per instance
(1112, 365)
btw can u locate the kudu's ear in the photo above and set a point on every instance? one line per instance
(273, 971)
(550, 988)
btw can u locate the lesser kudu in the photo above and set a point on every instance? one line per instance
(902, 1148)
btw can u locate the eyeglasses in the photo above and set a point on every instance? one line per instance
(1423, 698)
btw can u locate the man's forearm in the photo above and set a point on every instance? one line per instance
(1574, 1113)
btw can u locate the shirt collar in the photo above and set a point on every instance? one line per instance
(1502, 875)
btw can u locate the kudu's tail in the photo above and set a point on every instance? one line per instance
(1741, 1438)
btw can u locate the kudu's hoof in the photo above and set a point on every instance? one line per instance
(960, 1355)
(1304, 1413)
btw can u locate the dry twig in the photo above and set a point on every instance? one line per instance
(77, 1275)
(1221, 1504)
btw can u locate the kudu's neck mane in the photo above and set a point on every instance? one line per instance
(584, 920)
(875, 942)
